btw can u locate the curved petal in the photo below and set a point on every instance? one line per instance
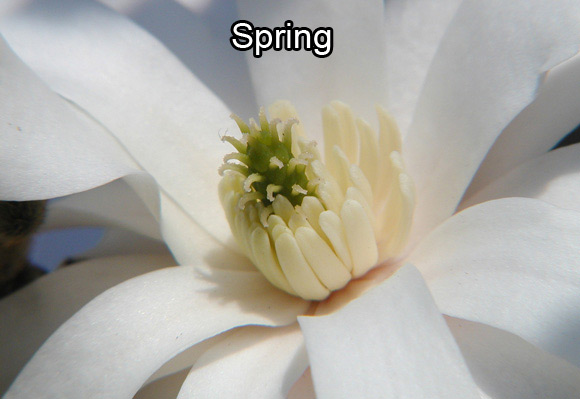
(487, 69)
(145, 322)
(353, 73)
(255, 362)
(513, 264)
(553, 114)
(553, 177)
(167, 119)
(114, 205)
(391, 342)
(186, 359)
(190, 244)
(49, 148)
(29, 316)
(198, 32)
(506, 366)
(413, 32)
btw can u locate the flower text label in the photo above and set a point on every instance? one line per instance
(289, 38)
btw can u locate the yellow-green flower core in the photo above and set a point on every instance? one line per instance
(310, 226)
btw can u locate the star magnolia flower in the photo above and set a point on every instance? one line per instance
(463, 87)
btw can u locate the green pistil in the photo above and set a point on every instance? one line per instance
(266, 153)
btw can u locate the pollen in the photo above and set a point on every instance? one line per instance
(312, 225)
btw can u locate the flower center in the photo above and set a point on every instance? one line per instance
(311, 226)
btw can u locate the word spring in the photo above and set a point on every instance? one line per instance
(245, 37)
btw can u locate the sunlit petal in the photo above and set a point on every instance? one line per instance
(145, 322)
(254, 362)
(42, 135)
(166, 118)
(414, 29)
(29, 316)
(513, 264)
(486, 70)
(391, 342)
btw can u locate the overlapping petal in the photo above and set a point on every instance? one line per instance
(391, 342)
(206, 31)
(553, 114)
(167, 119)
(487, 69)
(512, 264)
(506, 366)
(553, 177)
(42, 135)
(256, 362)
(164, 388)
(145, 322)
(114, 205)
(414, 29)
(29, 316)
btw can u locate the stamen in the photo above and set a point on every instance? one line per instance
(309, 226)
(295, 162)
(234, 167)
(254, 177)
(241, 124)
(238, 145)
(238, 157)
(296, 189)
(276, 163)
(271, 190)
(249, 197)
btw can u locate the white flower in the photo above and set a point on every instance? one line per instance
(462, 81)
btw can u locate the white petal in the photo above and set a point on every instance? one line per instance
(413, 31)
(186, 359)
(486, 70)
(353, 73)
(191, 244)
(143, 323)
(391, 342)
(164, 116)
(552, 115)
(513, 264)
(49, 148)
(254, 362)
(506, 366)
(29, 316)
(202, 43)
(112, 205)
(553, 177)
